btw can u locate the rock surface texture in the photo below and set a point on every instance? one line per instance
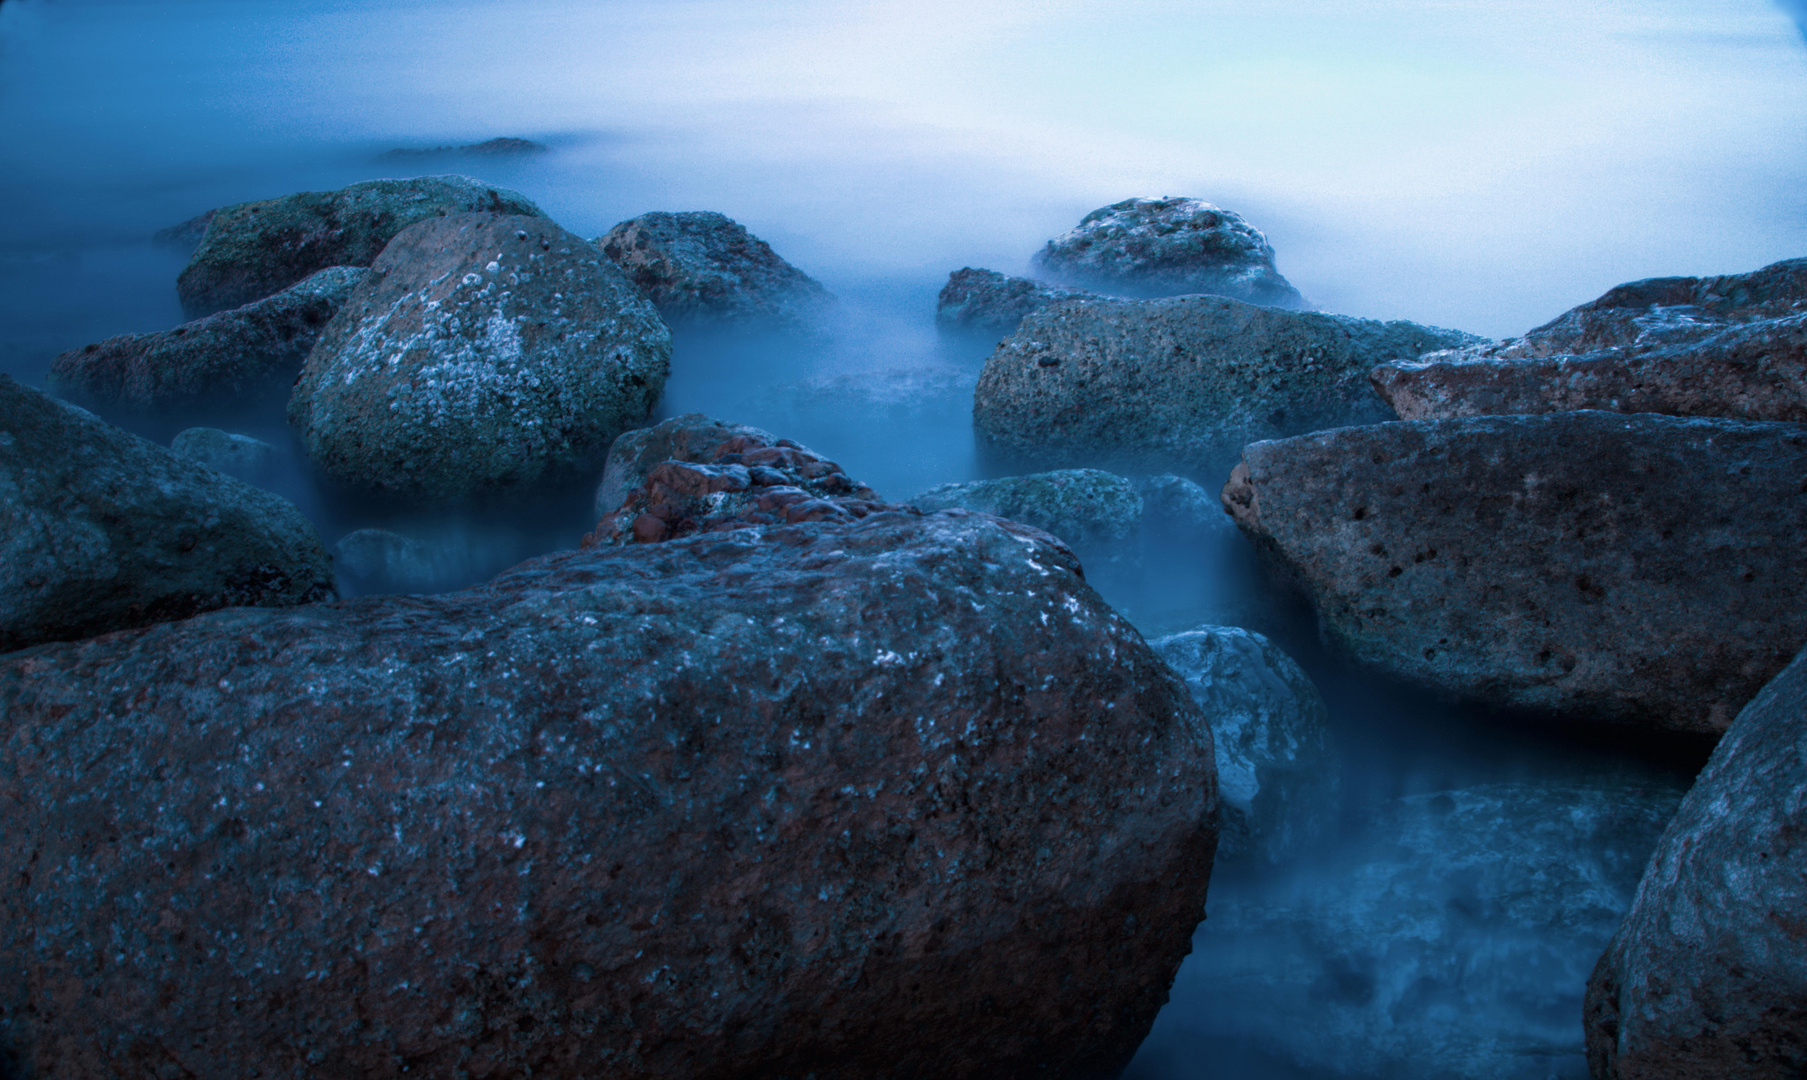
(257, 249)
(1278, 777)
(101, 530)
(1731, 346)
(985, 301)
(1707, 976)
(700, 266)
(1166, 247)
(1084, 507)
(902, 798)
(1182, 382)
(1640, 569)
(217, 359)
(486, 350)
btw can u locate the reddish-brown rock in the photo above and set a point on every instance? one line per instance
(901, 798)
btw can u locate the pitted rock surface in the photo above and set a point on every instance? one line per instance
(1732, 346)
(1180, 383)
(985, 301)
(101, 530)
(486, 350)
(693, 474)
(1707, 975)
(1168, 247)
(701, 266)
(1541, 561)
(902, 798)
(214, 360)
(257, 249)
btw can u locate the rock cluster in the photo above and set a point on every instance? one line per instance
(704, 267)
(219, 358)
(257, 249)
(1168, 247)
(898, 798)
(101, 530)
(985, 301)
(485, 350)
(1707, 975)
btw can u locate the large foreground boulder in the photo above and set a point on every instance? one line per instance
(985, 301)
(1181, 382)
(1723, 346)
(1642, 569)
(1707, 976)
(1166, 247)
(487, 350)
(101, 530)
(217, 359)
(704, 267)
(256, 249)
(901, 798)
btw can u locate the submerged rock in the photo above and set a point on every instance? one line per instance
(257, 249)
(1186, 381)
(1174, 507)
(985, 301)
(902, 798)
(506, 147)
(101, 530)
(1450, 941)
(701, 266)
(185, 234)
(1168, 247)
(241, 456)
(213, 360)
(374, 561)
(1278, 778)
(1707, 975)
(1638, 569)
(486, 350)
(1084, 507)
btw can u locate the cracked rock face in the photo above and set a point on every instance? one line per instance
(257, 249)
(1168, 247)
(898, 798)
(1707, 975)
(1635, 569)
(486, 350)
(704, 267)
(101, 530)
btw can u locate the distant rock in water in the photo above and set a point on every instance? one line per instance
(1732, 346)
(489, 148)
(700, 267)
(1086, 508)
(896, 799)
(101, 530)
(214, 360)
(1278, 777)
(1642, 570)
(985, 301)
(379, 561)
(256, 249)
(238, 456)
(694, 474)
(185, 234)
(1180, 383)
(487, 350)
(1168, 247)
(1707, 975)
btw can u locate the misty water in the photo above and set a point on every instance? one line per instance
(1469, 165)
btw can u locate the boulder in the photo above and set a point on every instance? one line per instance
(257, 249)
(1278, 778)
(486, 350)
(901, 798)
(1168, 247)
(1087, 508)
(1175, 508)
(379, 561)
(1707, 975)
(101, 530)
(1151, 384)
(694, 474)
(987, 302)
(1732, 346)
(704, 267)
(241, 456)
(1448, 939)
(184, 234)
(1640, 569)
(213, 360)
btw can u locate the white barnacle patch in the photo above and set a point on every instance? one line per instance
(887, 658)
